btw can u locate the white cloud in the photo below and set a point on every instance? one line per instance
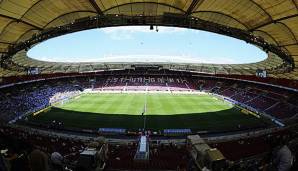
(182, 58)
(142, 29)
(219, 61)
(120, 36)
(126, 32)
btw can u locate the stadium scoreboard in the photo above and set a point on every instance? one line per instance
(33, 71)
(261, 73)
(146, 67)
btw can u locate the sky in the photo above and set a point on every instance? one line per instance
(141, 42)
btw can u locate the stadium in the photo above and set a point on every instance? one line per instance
(154, 113)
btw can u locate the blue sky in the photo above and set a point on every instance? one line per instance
(98, 44)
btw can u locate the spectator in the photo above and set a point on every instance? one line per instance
(57, 161)
(38, 161)
(283, 159)
(2, 164)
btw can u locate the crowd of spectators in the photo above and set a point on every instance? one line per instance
(142, 83)
(277, 102)
(31, 150)
(27, 98)
(23, 147)
(20, 99)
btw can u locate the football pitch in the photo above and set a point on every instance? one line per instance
(162, 111)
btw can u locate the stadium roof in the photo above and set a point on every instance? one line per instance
(274, 20)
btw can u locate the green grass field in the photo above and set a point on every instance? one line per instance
(163, 111)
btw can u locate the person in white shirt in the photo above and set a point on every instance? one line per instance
(283, 159)
(57, 160)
